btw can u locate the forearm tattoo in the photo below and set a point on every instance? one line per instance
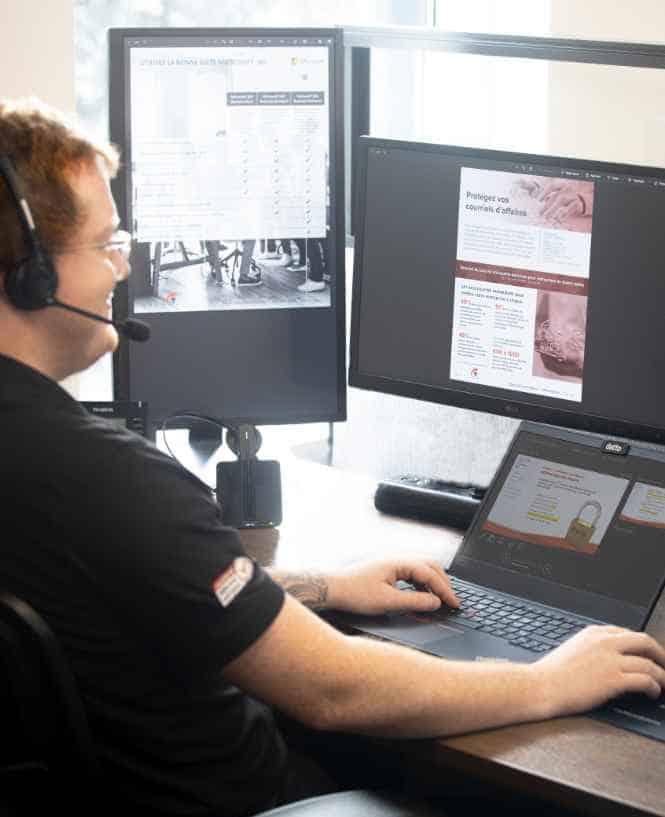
(310, 589)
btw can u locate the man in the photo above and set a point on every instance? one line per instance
(311, 260)
(181, 645)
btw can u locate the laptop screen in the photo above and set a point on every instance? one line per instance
(575, 521)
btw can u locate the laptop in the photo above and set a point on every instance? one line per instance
(571, 532)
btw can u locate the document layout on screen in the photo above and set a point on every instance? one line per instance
(231, 143)
(645, 506)
(522, 282)
(555, 505)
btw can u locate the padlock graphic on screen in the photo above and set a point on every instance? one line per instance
(583, 526)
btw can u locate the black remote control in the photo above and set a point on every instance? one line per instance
(432, 500)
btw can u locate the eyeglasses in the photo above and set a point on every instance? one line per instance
(120, 241)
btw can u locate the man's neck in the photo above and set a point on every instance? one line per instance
(22, 343)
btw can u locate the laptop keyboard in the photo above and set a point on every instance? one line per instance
(515, 621)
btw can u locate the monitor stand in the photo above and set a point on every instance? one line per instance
(249, 490)
(204, 435)
(431, 500)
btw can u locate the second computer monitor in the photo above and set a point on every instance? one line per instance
(231, 183)
(529, 286)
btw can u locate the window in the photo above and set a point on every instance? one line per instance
(596, 111)
(94, 17)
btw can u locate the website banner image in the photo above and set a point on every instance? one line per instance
(645, 506)
(555, 505)
(522, 282)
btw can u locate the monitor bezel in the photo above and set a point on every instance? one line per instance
(459, 398)
(118, 79)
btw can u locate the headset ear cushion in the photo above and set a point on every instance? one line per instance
(253, 440)
(32, 283)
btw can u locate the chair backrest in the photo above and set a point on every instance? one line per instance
(39, 697)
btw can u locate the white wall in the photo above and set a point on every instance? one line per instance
(37, 59)
(641, 20)
(37, 54)
(610, 113)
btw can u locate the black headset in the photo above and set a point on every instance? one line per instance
(32, 283)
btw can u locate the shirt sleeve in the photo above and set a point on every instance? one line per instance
(150, 538)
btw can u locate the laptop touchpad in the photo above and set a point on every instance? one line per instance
(414, 632)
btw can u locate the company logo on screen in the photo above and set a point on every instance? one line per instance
(614, 447)
(307, 60)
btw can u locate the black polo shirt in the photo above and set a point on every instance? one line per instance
(123, 552)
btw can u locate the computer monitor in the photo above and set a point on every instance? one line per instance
(231, 183)
(527, 286)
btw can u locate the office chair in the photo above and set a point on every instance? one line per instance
(47, 755)
(46, 749)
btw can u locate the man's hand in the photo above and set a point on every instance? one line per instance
(370, 588)
(559, 199)
(558, 206)
(597, 664)
(526, 185)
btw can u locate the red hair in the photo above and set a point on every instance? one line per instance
(47, 150)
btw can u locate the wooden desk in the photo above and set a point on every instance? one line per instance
(575, 762)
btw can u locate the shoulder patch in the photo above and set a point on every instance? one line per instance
(229, 583)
